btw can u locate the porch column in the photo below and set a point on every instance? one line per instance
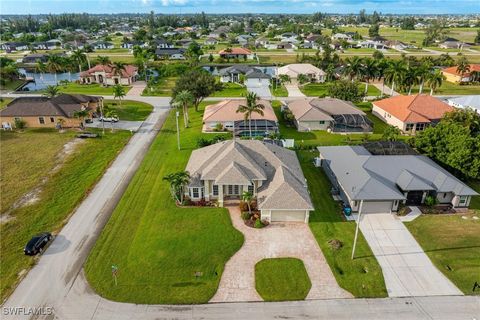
(206, 190)
(220, 195)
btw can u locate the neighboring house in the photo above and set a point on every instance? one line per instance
(163, 44)
(211, 41)
(411, 113)
(452, 75)
(380, 183)
(311, 41)
(294, 70)
(225, 113)
(105, 74)
(463, 102)
(131, 43)
(185, 43)
(14, 46)
(43, 45)
(452, 43)
(34, 58)
(40, 112)
(342, 36)
(286, 45)
(289, 37)
(271, 173)
(74, 45)
(172, 53)
(330, 114)
(398, 45)
(261, 42)
(370, 44)
(236, 53)
(253, 76)
(102, 45)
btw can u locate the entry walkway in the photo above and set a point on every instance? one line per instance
(406, 268)
(275, 241)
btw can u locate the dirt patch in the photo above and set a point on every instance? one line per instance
(33, 195)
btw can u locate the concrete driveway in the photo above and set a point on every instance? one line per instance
(406, 268)
(120, 125)
(261, 91)
(293, 90)
(277, 240)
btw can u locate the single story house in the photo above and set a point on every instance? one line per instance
(210, 41)
(40, 112)
(253, 76)
(162, 44)
(236, 53)
(129, 44)
(34, 58)
(411, 113)
(286, 45)
(328, 114)
(261, 42)
(102, 45)
(105, 74)
(452, 75)
(271, 173)
(379, 183)
(294, 70)
(13, 46)
(452, 43)
(43, 45)
(225, 113)
(342, 36)
(462, 102)
(369, 44)
(171, 53)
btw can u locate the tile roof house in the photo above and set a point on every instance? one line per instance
(411, 113)
(452, 75)
(328, 114)
(225, 113)
(271, 173)
(105, 74)
(40, 112)
(236, 53)
(379, 183)
(294, 70)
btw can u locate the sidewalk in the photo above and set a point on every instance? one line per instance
(137, 89)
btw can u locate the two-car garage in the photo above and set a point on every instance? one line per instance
(377, 206)
(285, 215)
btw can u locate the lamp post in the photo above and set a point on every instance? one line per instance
(101, 117)
(178, 131)
(358, 227)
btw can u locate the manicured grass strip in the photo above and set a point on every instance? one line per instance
(362, 276)
(231, 90)
(453, 245)
(88, 89)
(280, 91)
(163, 88)
(282, 279)
(130, 110)
(63, 191)
(158, 246)
(4, 102)
(321, 89)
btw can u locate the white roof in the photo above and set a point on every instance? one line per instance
(472, 101)
(293, 70)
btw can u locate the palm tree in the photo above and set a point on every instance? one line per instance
(284, 78)
(463, 66)
(104, 60)
(435, 80)
(410, 78)
(248, 197)
(79, 57)
(302, 79)
(184, 99)
(178, 181)
(81, 115)
(54, 64)
(370, 71)
(118, 68)
(51, 91)
(251, 107)
(382, 65)
(118, 93)
(422, 73)
(394, 73)
(353, 68)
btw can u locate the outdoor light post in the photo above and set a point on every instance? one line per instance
(356, 230)
(178, 131)
(101, 117)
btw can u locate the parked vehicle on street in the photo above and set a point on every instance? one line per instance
(107, 119)
(37, 243)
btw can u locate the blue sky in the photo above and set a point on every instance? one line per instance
(238, 6)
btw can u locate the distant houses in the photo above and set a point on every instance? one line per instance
(170, 53)
(452, 74)
(236, 53)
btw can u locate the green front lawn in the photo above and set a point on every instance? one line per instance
(321, 89)
(4, 102)
(163, 87)
(130, 110)
(97, 89)
(362, 276)
(449, 88)
(11, 85)
(279, 91)
(28, 157)
(231, 90)
(157, 246)
(453, 245)
(282, 279)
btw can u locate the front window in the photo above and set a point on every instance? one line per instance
(215, 190)
(41, 120)
(321, 122)
(409, 127)
(52, 119)
(463, 201)
(250, 189)
(195, 193)
(420, 126)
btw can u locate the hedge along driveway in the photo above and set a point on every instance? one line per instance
(157, 246)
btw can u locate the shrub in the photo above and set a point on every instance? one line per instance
(218, 127)
(246, 216)
(258, 224)
(219, 138)
(430, 201)
(20, 124)
(202, 142)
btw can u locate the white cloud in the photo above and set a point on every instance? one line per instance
(173, 2)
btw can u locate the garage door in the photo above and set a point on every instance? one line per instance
(377, 207)
(288, 215)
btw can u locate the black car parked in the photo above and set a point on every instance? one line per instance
(37, 243)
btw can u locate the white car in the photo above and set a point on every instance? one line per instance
(108, 119)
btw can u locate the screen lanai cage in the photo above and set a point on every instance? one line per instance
(389, 148)
(351, 123)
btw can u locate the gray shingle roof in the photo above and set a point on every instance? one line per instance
(376, 177)
(241, 161)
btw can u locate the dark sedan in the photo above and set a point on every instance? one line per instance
(37, 243)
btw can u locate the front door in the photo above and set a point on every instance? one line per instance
(414, 197)
(233, 190)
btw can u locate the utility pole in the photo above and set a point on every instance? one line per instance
(101, 117)
(178, 131)
(358, 227)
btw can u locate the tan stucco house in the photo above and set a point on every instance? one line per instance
(43, 112)
(294, 70)
(105, 74)
(452, 75)
(271, 173)
(411, 113)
